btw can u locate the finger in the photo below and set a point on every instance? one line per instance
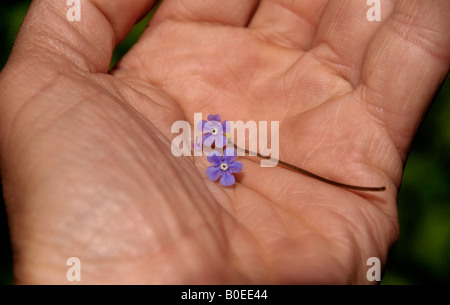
(51, 47)
(407, 61)
(123, 14)
(288, 23)
(230, 12)
(344, 34)
(82, 34)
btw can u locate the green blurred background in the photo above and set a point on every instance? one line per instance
(422, 256)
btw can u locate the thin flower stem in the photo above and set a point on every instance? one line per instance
(312, 175)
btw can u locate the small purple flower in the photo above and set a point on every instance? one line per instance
(214, 131)
(223, 166)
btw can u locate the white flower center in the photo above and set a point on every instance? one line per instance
(223, 166)
(214, 131)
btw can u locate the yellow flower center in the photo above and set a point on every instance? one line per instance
(224, 166)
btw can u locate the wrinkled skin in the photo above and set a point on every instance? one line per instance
(86, 163)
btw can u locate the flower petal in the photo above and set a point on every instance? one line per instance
(214, 172)
(221, 141)
(227, 179)
(214, 117)
(235, 167)
(208, 139)
(201, 125)
(226, 127)
(215, 158)
(229, 155)
(207, 128)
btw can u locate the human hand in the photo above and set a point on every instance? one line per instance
(85, 154)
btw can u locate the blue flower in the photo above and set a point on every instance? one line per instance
(214, 132)
(223, 166)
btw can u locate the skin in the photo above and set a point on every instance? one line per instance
(307, 173)
(85, 152)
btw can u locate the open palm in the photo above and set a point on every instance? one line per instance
(86, 161)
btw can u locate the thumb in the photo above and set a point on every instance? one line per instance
(80, 32)
(61, 38)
